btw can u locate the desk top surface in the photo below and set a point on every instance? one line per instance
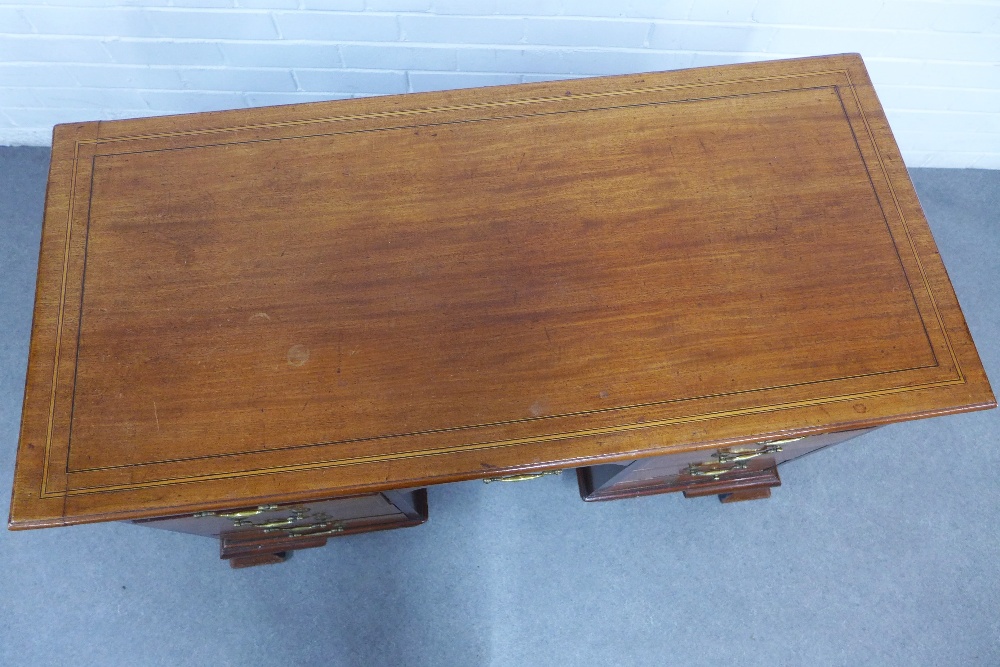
(295, 302)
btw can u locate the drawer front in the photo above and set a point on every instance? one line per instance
(690, 470)
(292, 518)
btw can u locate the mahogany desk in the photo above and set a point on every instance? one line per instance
(278, 325)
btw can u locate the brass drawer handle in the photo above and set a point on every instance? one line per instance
(523, 477)
(269, 524)
(242, 514)
(245, 513)
(310, 530)
(697, 469)
(772, 447)
(297, 515)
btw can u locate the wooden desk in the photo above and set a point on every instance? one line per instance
(273, 324)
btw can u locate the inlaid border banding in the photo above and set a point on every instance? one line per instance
(515, 441)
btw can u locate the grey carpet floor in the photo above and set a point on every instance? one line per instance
(881, 551)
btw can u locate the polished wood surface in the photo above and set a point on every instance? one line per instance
(300, 302)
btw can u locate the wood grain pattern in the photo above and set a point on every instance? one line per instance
(294, 303)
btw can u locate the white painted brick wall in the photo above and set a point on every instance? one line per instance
(935, 63)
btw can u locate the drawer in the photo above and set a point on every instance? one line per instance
(701, 471)
(266, 533)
